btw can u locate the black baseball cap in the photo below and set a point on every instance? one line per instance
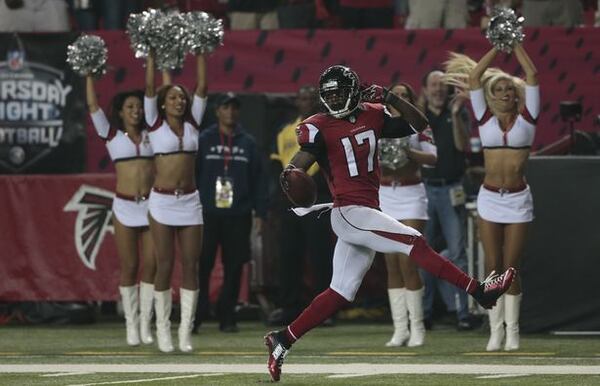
(228, 98)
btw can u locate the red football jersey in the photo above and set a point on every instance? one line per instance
(346, 150)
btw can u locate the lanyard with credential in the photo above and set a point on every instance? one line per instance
(226, 151)
(224, 184)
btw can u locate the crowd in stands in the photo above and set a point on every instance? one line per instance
(65, 15)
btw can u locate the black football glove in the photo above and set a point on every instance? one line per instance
(373, 93)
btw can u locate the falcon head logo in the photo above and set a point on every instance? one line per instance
(94, 218)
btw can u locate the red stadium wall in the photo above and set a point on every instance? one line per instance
(280, 61)
(56, 240)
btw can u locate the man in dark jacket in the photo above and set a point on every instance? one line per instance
(229, 176)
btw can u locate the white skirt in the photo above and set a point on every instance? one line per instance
(404, 202)
(507, 208)
(131, 213)
(170, 209)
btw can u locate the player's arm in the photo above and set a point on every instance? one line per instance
(302, 160)
(410, 113)
(407, 118)
(311, 146)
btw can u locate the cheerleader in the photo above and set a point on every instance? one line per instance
(175, 211)
(507, 109)
(129, 148)
(402, 195)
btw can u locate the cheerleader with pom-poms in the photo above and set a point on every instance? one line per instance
(507, 109)
(129, 147)
(173, 115)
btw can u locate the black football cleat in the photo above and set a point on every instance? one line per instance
(494, 286)
(277, 353)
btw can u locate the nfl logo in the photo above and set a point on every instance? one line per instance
(15, 60)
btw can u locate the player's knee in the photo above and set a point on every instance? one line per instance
(347, 292)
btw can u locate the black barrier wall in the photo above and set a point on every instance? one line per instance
(561, 265)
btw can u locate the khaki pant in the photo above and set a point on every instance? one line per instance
(437, 14)
(251, 20)
(35, 16)
(567, 13)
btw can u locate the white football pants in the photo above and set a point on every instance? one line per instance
(361, 232)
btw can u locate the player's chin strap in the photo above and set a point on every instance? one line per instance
(321, 208)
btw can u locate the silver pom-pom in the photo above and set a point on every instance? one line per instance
(172, 35)
(145, 30)
(505, 29)
(87, 55)
(170, 47)
(393, 152)
(205, 33)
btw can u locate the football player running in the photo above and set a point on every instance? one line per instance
(343, 141)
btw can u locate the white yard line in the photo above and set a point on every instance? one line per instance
(67, 374)
(497, 376)
(334, 369)
(342, 376)
(138, 380)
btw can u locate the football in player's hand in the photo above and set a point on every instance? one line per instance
(299, 187)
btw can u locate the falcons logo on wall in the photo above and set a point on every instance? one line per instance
(94, 218)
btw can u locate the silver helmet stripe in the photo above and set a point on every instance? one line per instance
(333, 84)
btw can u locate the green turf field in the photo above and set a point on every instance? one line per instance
(348, 354)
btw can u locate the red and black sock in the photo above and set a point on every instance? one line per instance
(324, 306)
(438, 265)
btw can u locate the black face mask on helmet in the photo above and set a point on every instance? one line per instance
(339, 90)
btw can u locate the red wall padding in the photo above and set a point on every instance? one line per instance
(39, 233)
(281, 61)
